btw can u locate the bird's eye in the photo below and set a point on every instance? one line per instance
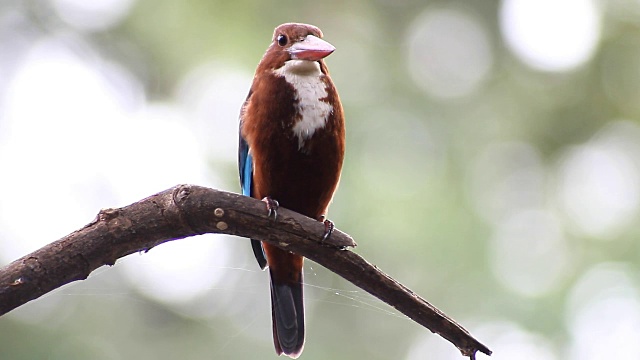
(282, 40)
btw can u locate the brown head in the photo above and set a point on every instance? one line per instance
(295, 41)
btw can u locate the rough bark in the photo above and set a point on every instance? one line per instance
(187, 210)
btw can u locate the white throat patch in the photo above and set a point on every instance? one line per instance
(305, 77)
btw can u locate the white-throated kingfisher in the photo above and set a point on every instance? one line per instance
(292, 143)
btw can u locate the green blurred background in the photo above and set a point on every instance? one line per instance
(493, 166)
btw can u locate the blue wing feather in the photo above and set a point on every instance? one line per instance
(245, 169)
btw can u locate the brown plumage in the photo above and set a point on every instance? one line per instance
(295, 137)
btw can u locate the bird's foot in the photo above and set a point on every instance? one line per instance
(328, 227)
(272, 207)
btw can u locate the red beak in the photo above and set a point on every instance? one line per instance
(312, 48)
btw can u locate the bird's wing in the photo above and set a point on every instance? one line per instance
(245, 169)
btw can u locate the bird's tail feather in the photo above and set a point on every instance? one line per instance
(287, 311)
(258, 252)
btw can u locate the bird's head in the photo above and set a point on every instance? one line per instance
(294, 41)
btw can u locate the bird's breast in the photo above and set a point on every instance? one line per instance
(310, 97)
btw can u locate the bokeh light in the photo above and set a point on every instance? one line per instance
(165, 274)
(604, 314)
(515, 342)
(92, 15)
(506, 178)
(211, 94)
(82, 129)
(449, 52)
(551, 35)
(599, 182)
(54, 148)
(529, 253)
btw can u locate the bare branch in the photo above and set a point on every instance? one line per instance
(187, 210)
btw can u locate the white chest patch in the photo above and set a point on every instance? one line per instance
(305, 77)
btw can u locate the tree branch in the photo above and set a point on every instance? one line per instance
(187, 210)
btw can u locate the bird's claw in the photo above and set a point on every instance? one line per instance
(272, 207)
(328, 229)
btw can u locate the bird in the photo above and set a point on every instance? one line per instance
(290, 154)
